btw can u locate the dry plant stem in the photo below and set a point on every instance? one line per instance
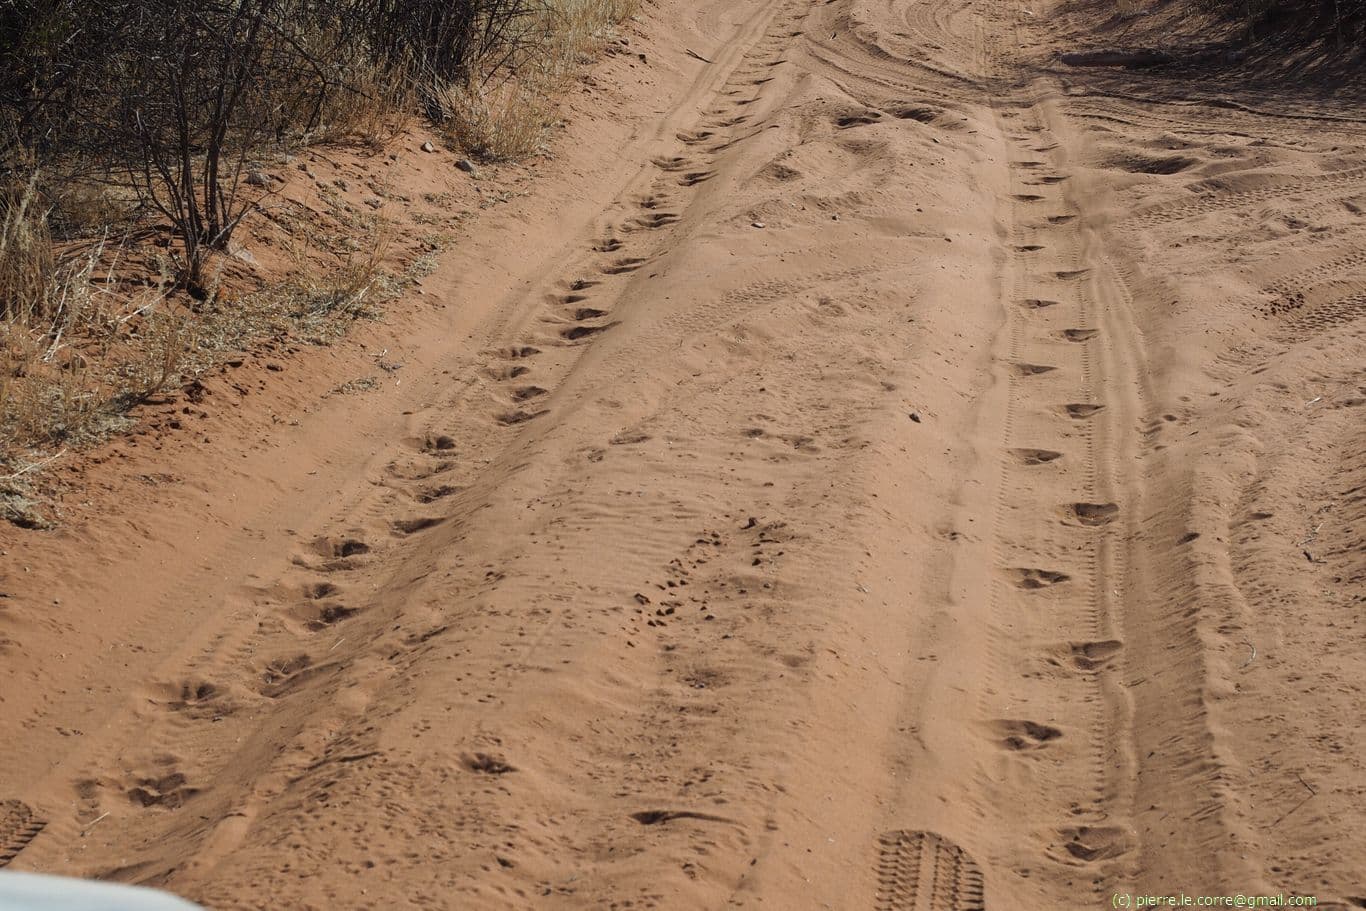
(33, 466)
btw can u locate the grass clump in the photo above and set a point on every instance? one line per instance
(504, 113)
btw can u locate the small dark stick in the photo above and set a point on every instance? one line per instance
(1312, 795)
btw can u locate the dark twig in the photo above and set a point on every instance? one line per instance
(1294, 809)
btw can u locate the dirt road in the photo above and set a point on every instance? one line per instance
(877, 467)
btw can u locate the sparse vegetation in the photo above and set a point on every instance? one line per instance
(133, 134)
(502, 113)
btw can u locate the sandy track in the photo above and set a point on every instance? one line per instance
(870, 498)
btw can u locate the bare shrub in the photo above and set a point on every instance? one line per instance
(446, 41)
(198, 104)
(503, 119)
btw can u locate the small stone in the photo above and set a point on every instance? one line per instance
(915, 416)
(428, 147)
(466, 165)
(758, 224)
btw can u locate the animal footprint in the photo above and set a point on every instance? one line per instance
(320, 616)
(508, 373)
(438, 443)
(1092, 514)
(510, 418)
(657, 220)
(574, 333)
(1088, 656)
(487, 764)
(432, 494)
(1018, 736)
(316, 590)
(169, 791)
(1033, 369)
(523, 393)
(339, 547)
(917, 113)
(622, 266)
(1034, 579)
(197, 699)
(1036, 456)
(282, 670)
(1088, 844)
(658, 817)
(863, 118)
(414, 525)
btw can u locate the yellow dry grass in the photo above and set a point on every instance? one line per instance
(502, 117)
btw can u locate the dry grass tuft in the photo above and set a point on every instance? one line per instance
(28, 266)
(76, 353)
(496, 122)
(373, 106)
(502, 116)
